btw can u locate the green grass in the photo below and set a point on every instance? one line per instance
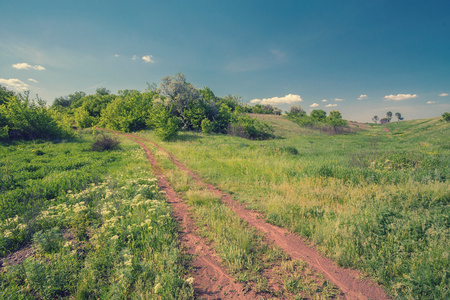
(109, 235)
(372, 200)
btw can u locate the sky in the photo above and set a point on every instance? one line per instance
(362, 58)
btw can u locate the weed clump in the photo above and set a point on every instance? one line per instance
(104, 142)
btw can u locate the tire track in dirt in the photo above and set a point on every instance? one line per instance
(211, 280)
(347, 280)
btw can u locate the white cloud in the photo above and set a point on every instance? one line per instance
(314, 105)
(443, 94)
(324, 100)
(148, 58)
(32, 80)
(290, 98)
(338, 99)
(25, 66)
(116, 55)
(400, 97)
(331, 105)
(134, 57)
(431, 102)
(362, 97)
(14, 84)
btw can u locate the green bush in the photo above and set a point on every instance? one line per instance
(49, 241)
(207, 126)
(446, 116)
(22, 119)
(249, 128)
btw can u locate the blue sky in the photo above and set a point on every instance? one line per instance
(362, 58)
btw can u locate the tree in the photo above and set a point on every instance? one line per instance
(102, 91)
(335, 119)
(398, 116)
(375, 119)
(318, 114)
(389, 115)
(296, 111)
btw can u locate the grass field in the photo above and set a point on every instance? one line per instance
(96, 225)
(374, 200)
(95, 222)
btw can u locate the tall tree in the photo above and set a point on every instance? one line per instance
(375, 119)
(399, 116)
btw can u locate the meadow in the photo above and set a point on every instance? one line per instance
(373, 200)
(95, 224)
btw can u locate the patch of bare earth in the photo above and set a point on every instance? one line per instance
(16, 258)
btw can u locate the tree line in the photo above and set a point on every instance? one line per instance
(173, 106)
(388, 118)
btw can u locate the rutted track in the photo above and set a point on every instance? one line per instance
(211, 280)
(345, 279)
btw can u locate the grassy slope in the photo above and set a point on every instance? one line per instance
(373, 200)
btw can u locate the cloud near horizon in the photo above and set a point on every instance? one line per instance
(338, 99)
(314, 105)
(32, 80)
(431, 102)
(25, 66)
(331, 105)
(14, 84)
(363, 96)
(290, 98)
(443, 94)
(400, 97)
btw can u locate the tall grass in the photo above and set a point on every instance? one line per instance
(373, 200)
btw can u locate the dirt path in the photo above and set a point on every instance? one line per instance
(211, 280)
(347, 280)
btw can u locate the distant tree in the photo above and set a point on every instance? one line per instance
(318, 114)
(102, 91)
(389, 115)
(446, 116)
(398, 116)
(375, 119)
(296, 111)
(179, 93)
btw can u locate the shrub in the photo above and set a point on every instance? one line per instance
(48, 241)
(249, 128)
(207, 126)
(104, 142)
(446, 116)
